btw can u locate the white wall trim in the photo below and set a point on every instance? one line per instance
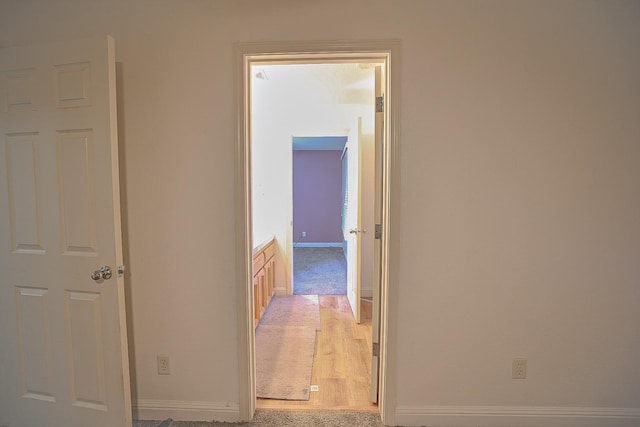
(522, 416)
(317, 244)
(180, 410)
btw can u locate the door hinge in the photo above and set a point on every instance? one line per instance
(378, 234)
(379, 104)
(376, 349)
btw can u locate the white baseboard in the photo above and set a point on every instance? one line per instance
(148, 409)
(317, 244)
(520, 416)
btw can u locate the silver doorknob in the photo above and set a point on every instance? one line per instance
(356, 231)
(104, 273)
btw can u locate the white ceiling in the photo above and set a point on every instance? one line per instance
(332, 94)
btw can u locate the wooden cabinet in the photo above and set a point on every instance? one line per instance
(264, 275)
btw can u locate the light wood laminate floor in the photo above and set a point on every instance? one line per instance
(342, 363)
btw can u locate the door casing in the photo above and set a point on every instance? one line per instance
(247, 54)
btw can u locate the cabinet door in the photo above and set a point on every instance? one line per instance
(256, 299)
(271, 278)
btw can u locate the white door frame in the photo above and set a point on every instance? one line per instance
(248, 53)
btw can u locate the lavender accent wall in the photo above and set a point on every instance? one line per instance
(317, 184)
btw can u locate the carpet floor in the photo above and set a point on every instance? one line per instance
(319, 271)
(285, 419)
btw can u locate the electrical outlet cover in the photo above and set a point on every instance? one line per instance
(519, 369)
(164, 367)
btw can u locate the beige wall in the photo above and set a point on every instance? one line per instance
(271, 168)
(519, 202)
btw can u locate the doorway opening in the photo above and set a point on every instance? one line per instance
(319, 207)
(249, 57)
(319, 235)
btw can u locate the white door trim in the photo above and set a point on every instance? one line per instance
(246, 53)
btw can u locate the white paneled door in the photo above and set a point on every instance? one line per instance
(63, 347)
(353, 222)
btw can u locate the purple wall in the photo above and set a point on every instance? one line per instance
(317, 189)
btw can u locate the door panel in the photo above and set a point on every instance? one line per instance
(23, 188)
(76, 192)
(63, 347)
(34, 343)
(353, 229)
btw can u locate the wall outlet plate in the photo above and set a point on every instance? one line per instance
(164, 366)
(519, 369)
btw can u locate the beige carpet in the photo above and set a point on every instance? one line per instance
(319, 271)
(284, 419)
(293, 310)
(285, 346)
